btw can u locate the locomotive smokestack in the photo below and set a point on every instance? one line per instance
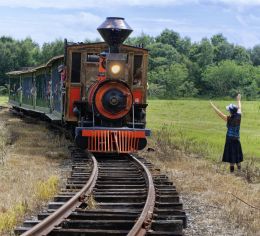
(114, 30)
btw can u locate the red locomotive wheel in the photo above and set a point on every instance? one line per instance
(112, 99)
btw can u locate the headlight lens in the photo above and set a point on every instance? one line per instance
(115, 69)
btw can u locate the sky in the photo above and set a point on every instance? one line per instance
(47, 20)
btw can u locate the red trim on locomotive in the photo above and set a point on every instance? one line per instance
(102, 68)
(75, 95)
(91, 93)
(138, 96)
(113, 140)
(135, 133)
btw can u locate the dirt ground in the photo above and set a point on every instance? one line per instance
(216, 202)
(30, 154)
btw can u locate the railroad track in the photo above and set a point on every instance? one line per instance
(111, 195)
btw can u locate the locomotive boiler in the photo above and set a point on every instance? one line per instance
(98, 89)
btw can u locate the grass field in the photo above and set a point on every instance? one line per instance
(193, 126)
(183, 129)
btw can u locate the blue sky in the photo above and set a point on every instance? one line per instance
(47, 20)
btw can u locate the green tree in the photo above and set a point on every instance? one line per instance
(223, 50)
(218, 39)
(240, 55)
(229, 78)
(194, 72)
(184, 46)
(143, 40)
(255, 55)
(169, 37)
(52, 49)
(176, 82)
(156, 90)
(204, 53)
(162, 55)
(15, 54)
(28, 53)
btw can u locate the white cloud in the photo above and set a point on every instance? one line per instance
(239, 2)
(249, 21)
(241, 20)
(248, 38)
(48, 27)
(79, 4)
(254, 18)
(245, 36)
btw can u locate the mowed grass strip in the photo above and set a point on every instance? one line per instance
(195, 127)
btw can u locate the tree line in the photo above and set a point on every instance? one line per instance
(178, 67)
(209, 68)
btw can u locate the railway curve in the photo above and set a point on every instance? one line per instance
(111, 195)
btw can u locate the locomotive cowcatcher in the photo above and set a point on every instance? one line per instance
(100, 89)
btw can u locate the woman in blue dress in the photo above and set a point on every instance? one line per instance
(232, 150)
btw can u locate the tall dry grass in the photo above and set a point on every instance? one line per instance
(42, 192)
(30, 175)
(3, 143)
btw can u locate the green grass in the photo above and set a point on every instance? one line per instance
(3, 100)
(195, 127)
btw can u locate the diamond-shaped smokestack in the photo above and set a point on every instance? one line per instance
(114, 30)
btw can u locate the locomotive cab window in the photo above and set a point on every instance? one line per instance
(75, 67)
(138, 70)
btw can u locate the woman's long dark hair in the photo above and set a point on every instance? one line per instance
(233, 111)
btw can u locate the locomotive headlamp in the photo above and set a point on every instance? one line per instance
(116, 65)
(115, 69)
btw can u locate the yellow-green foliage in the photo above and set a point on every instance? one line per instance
(44, 190)
(3, 100)
(10, 218)
(47, 189)
(195, 127)
(92, 204)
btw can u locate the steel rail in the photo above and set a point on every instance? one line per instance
(49, 223)
(144, 220)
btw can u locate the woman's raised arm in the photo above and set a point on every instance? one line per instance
(239, 103)
(220, 114)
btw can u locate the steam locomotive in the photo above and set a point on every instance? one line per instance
(99, 89)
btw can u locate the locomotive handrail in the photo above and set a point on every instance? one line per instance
(49, 223)
(144, 220)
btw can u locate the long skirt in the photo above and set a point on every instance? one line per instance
(232, 151)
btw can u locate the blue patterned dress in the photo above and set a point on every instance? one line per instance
(233, 150)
